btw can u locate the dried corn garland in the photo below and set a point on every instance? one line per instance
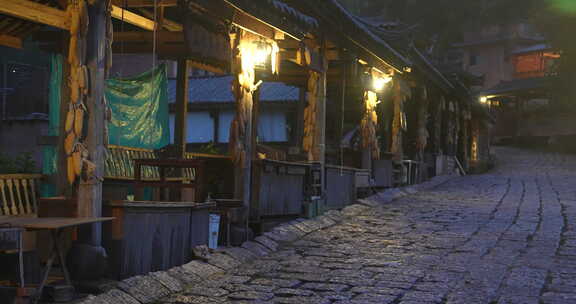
(79, 85)
(310, 112)
(243, 89)
(369, 123)
(399, 96)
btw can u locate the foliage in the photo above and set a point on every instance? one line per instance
(23, 163)
(557, 20)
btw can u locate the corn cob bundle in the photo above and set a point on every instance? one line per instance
(310, 112)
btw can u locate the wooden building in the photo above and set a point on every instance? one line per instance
(367, 114)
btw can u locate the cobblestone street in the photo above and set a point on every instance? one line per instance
(504, 237)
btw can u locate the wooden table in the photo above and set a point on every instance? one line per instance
(55, 225)
(164, 182)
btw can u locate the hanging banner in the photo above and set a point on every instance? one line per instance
(139, 108)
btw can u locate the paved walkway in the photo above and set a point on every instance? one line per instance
(504, 237)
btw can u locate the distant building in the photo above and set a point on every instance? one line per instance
(212, 107)
(488, 51)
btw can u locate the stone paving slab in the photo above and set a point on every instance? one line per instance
(506, 237)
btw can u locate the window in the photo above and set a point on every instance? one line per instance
(473, 59)
(200, 127)
(23, 90)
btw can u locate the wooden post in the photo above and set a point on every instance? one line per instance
(320, 141)
(90, 191)
(216, 135)
(181, 115)
(342, 116)
(299, 136)
(252, 184)
(320, 132)
(62, 184)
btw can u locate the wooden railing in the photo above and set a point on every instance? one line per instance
(120, 165)
(19, 194)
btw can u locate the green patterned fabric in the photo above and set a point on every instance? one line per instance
(50, 161)
(139, 110)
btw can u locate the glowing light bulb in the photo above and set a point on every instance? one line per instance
(261, 53)
(379, 82)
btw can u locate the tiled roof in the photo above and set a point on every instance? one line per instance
(517, 85)
(218, 89)
(286, 9)
(533, 48)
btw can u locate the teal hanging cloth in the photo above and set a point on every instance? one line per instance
(50, 156)
(139, 110)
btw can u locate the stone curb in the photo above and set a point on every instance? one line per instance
(155, 286)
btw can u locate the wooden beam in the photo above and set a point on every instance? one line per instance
(207, 67)
(181, 115)
(227, 11)
(132, 18)
(35, 12)
(144, 3)
(10, 41)
(166, 23)
(162, 36)
(172, 51)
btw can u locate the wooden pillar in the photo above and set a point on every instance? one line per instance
(320, 132)
(63, 186)
(241, 142)
(181, 114)
(321, 135)
(216, 117)
(252, 184)
(90, 189)
(342, 116)
(299, 136)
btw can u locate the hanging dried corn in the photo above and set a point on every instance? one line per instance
(310, 112)
(78, 84)
(422, 121)
(399, 95)
(242, 88)
(369, 123)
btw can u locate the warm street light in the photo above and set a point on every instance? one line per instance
(483, 99)
(378, 83)
(262, 53)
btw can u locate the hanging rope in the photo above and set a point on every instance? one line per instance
(124, 8)
(154, 34)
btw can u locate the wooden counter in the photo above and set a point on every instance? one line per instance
(153, 236)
